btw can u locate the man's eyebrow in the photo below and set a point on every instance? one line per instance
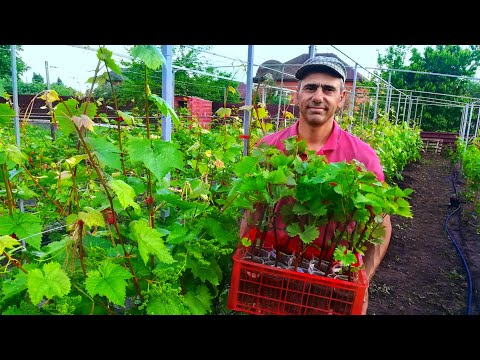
(323, 86)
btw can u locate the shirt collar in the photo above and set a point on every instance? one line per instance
(332, 141)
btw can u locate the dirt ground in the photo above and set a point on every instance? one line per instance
(424, 272)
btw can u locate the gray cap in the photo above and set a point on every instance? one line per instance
(326, 63)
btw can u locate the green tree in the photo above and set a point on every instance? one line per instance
(441, 59)
(6, 62)
(38, 83)
(186, 83)
(63, 90)
(196, 84)
(32, 88)
(37, 78)
(6, 67)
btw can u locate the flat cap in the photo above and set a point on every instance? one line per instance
(322, 63)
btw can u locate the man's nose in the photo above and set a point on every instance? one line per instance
(318, 95)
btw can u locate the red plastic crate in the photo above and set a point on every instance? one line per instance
(267, 290)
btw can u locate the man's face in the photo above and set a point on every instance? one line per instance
(318, 98)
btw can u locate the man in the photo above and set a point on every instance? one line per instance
(321, 91)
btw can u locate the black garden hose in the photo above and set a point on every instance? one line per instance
(452, 238)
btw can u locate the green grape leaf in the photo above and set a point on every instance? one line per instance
(180, 234)
(109, 280)
(150, 242)
(13, 287)
(163, 158)
(403, 208)
(138, 149)
(199, 301)
(107, 153)
(149, 54)
(165, 108)
(223, 112)
(74, 160)
(63, 113)
(105, 55)
(345, 256)
(247, 165)
(91, 110)
(137, 184)
(92, 217)
(6, 112)
(309, 234)
(7, 242)
(129, 119)
(218, 231)
(318, 209)
(25, 226)
(125, 193)
(293, 229)
(14, 154)
(49, 282)
(205, 270)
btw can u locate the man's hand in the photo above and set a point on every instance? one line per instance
(250, 219)
(374, 255)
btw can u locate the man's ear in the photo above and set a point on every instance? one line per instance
(343, 97)
(295, 98)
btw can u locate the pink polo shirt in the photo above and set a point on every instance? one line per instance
(340, 146)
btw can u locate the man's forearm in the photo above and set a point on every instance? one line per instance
(375, 253)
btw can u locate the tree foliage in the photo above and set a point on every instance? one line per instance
(186, 83)
(37, 78)
(196, 84)
(38, 83)
(6, 62)
(441, 59)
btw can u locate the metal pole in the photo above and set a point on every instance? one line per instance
(311, 51)
(416, 106)
(410, 103)
(167, 91)
(167, 95)
(47, 76)
(476, 127)
(398, 107)
(13, 56)
(420, 122)
(469, 123)
(49, 104)
(463, 121)
(352, 104)
(280, 100)
(248, 99)
(376, 103)
(461, 124)
(368, 109)
(405, 107)
(362, 112)
(387, 102)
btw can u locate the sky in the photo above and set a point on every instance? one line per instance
(74, 65)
